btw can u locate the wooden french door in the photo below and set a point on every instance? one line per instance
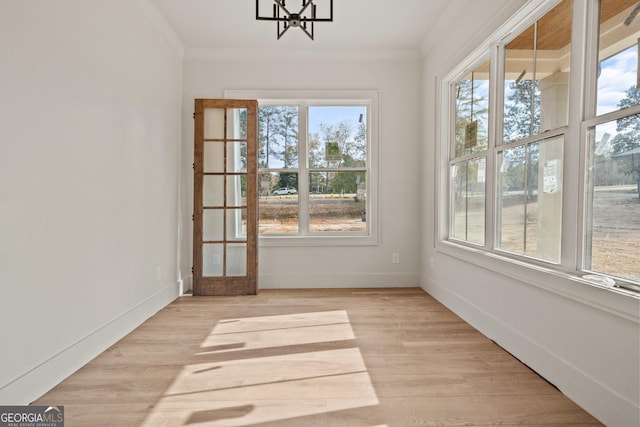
(225, 218)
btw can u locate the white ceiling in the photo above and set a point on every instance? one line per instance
(358, 24)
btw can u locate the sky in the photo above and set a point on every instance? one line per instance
(332, 115)
(618, 73)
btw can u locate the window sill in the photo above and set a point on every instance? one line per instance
(617, 301)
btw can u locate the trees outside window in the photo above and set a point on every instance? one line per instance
(506, 172)
(315, 182)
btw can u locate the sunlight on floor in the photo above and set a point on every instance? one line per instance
(270, 370)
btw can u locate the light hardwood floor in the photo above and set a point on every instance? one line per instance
(359, 357)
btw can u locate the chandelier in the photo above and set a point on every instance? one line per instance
(303, 19)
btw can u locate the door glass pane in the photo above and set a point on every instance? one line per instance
(236, 156)
(613, 200)
(214, 123)
(213, 191)
(341, 206)
(237, 123)
(618, 79)
(236, 259)
(212, 225)
(212, 256)
(236, 190)
(213, 156)
(236, 224)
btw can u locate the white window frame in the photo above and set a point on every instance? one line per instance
(305, 98)
(554, 278)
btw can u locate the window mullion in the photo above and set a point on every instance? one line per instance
(303, 175)
(587, 16)
(495, 134)
(582, 101)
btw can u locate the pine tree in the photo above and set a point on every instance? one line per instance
(522, 110)
(628, 137)
(628, 127)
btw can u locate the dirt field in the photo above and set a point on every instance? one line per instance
(279, 214)
(615, 236)
(616, 232)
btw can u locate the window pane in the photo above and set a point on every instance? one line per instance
(278, 204)
(530, 199)
(236, 190)
(236, 224)
(278, 137)
(213, 191)
(237, 123)
(618, 55)
(237, 259)
(212, 225)
(472, 111)
(214, 123)
(213, 156)
(613, 203)
(536, 81)
(468, 204)
(236, 156)
(337, 136)
(337, 201)
(212, 255)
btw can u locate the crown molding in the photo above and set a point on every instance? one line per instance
(253, 54)
(161, 26)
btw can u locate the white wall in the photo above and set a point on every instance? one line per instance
(300, 267)
(583, 339)
(90, 110)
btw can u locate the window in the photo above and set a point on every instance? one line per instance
(317, 158)
(536, 97)
(523, 122)
(468, 164)
(529, 199)
(612, 223)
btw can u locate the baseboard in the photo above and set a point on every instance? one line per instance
(186, 285)
(40, 379)
(602, 402)
(330, 280)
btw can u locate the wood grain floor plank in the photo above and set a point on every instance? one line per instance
(326, 357)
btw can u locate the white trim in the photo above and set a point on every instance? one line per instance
(338, 280)
(616, 301)
(298, 55)
(34, 383)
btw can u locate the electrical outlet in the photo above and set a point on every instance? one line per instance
(432, 263)
(158, 274)
(395, 258)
